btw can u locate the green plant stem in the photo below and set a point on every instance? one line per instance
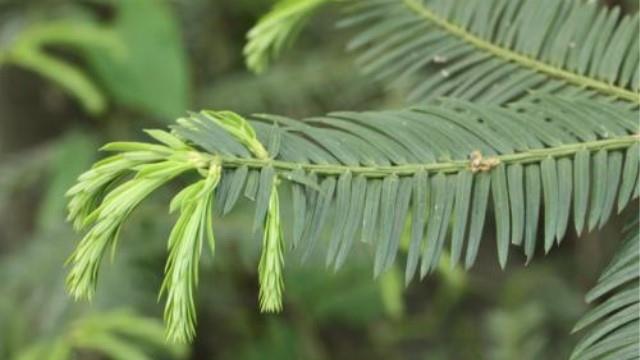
(520, 59)
(525, 157)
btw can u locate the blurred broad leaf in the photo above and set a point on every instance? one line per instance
(153, 76)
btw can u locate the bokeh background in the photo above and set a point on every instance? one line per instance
(76, 74)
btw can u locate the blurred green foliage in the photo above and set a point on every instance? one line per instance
(27, 50)
(153, 74)
(137, 63)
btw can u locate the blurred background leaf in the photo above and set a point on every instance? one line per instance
(153, 76)
(28, 50)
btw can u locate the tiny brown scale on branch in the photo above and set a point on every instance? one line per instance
(478, 163)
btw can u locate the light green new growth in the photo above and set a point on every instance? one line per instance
(237, 126)
(106, 221)
(272, 258)
(276, 30)
(193, 228)
(154, 166)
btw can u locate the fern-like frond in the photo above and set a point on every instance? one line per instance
(497, 51)
(276, 30)
(615, 323)
(366, 174)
